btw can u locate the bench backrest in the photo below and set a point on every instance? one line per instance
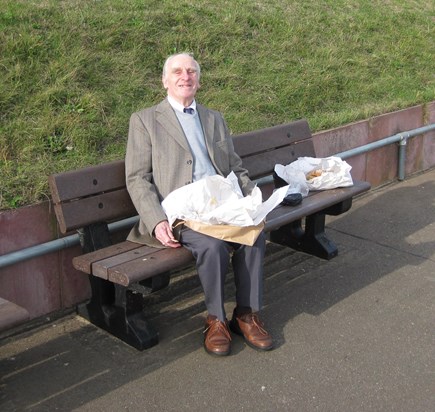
(262, 149)
(98, 194)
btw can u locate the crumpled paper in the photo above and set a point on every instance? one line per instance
(335, 172)
(218, 200)
(294, 177)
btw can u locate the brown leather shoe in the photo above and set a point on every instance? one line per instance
(252, 329)
(217, 337)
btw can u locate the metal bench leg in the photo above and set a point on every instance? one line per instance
(98, 309)
(315, 240)
(290, 235)
(312, 240)
(156, 282)
(128, 322)
(122, 315)
(114, 308)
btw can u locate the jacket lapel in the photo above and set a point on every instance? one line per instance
(166, 117)
(207, 122)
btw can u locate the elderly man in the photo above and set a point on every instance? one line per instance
(171, 145)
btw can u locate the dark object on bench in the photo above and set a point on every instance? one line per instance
(293, 199)
(90, 198)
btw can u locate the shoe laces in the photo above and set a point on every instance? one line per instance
(216, 326)
(253, 319)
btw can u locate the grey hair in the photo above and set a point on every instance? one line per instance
(168, 60)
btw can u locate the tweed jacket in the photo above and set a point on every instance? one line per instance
(158, 160)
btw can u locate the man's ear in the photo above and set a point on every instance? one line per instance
(164, 82)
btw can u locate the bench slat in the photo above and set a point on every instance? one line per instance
(161, 261)
(87, 181)
(315, 202)
(101, 268)
(262, 164)
(247, 144)
(100, 208)
(84, 262)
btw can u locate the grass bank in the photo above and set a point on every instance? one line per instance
(72, 72)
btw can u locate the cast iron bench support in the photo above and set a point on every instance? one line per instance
(113, 307)
(312, 239)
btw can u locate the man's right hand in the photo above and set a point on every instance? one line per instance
(164, 235)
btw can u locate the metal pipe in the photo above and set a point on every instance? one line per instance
(72, 240)
(57, 244)
(385, 142)
(402, 158)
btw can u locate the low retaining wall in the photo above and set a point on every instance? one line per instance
(49, 283)
(380, 166)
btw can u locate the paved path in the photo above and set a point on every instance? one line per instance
(356, 333)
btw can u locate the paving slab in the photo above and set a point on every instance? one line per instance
(355, 333)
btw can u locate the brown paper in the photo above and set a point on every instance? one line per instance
(245, 235)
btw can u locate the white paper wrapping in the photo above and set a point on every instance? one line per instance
(335, 172)
(218, 200)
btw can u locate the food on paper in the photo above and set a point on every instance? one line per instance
(314, 173)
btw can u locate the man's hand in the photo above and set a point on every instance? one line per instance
(164, 235)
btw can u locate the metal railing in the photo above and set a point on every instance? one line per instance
(401, 138)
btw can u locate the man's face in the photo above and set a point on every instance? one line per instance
(181, 79)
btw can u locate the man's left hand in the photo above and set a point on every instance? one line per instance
(163, 233)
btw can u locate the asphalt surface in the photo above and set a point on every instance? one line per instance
(356, 333)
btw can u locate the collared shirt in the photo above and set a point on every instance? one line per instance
(178, 106)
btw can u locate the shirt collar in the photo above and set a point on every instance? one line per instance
(178, 106)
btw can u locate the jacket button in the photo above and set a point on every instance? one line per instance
(189, 162)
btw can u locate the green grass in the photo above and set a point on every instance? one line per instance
(72, 72)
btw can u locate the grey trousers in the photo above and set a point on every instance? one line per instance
(212, 263)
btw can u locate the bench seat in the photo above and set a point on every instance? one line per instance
(127, 262)
(315, 202)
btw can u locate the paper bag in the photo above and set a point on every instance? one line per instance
(245, 235)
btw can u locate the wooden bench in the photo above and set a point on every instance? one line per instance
(88, 199)
(11, 314)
